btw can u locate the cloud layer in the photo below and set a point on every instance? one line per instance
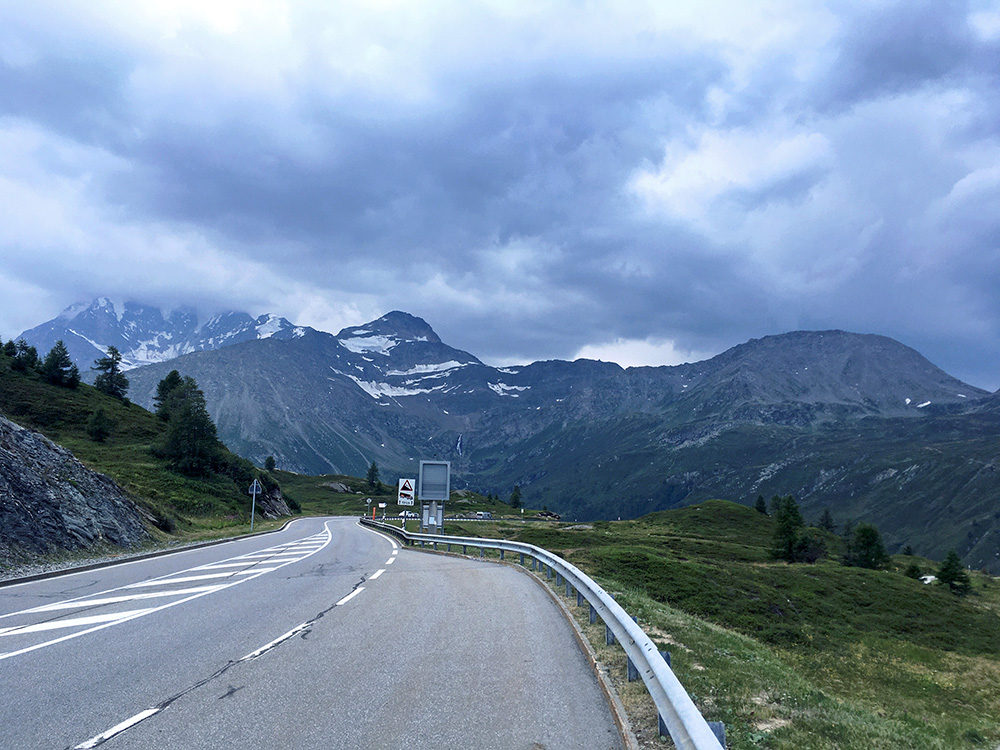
(633, 181)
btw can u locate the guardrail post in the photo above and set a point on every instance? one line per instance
(569, 589)
(558, 578)
(662, 729)
(719, 730)
(609, 637)
(579, 598)
(633, 673)
(593, 614)
(548, 573)
(449, 548)
(501, 554)
(465, 549)
(482, 552)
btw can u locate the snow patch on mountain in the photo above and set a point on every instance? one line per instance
(502, 389)
(440, 367)
(372, 344)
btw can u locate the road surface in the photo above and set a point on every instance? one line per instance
(325, 635)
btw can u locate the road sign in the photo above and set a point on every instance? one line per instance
(405, 496)
(435, 480)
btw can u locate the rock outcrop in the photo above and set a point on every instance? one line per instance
(50, 501)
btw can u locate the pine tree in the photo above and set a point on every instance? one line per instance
(788, 521)
(191, 445)
(373, 479)
(953, 575)
(59, 369)
(515, 497)
(761, 505)
(269, 463)
(826, 521)
(164, 388)
(111, 380)
(866, 549)
(25, 356)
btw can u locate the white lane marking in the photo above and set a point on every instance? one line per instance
(376, 574)
(395, 552)
(117, 729)
(243, 564)
(119, 599)
(73, 622)
(276, 641)
(178, 553)
(326, 534)
(350, 596)
(183, 579)
(390, 561)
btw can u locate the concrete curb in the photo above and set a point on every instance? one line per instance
(136, 558)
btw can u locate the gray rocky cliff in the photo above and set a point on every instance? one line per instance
(51, 501)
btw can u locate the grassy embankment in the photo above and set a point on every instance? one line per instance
(792, 656)
(181, 508)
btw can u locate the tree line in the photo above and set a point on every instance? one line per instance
(861, 544)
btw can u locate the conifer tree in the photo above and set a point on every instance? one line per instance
(59, 369)
(866, 549)
(191, 445)
(761, 505)
(164, 388)
(111, 380)
(953, 575)
(515, 497)
(374, 482)
(826, 521)
(788, 521)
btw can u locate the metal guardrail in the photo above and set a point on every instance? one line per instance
(678, 714)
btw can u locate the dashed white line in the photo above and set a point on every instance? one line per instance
(390, 561)
(376, 574)
(117, 729)
(350, 596)
(276, 641)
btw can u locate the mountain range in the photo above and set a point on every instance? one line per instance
(143, 334)
(858, 423)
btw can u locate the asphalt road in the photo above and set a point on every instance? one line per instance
(322, 635)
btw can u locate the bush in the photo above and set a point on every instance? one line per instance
(99, 426)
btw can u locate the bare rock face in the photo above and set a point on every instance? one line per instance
(49, 500)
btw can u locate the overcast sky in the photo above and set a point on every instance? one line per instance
(648, 183)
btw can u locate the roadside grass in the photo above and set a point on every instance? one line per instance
(808, 657)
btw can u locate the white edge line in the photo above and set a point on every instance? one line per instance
(350, 596)
(117, 729)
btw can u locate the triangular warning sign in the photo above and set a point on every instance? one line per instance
(407, 487)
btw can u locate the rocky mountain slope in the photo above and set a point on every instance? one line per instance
(49, 500)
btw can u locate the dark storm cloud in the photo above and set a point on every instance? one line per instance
(533, 182)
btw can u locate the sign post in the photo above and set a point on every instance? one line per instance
(255, 489)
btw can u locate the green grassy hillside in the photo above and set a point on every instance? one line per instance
(180, 505)
(796, 656)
